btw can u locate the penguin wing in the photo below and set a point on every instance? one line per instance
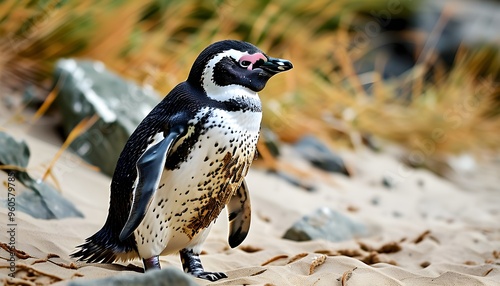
(149, 169)
(239, 214)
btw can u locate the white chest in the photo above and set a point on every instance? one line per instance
(192, 195)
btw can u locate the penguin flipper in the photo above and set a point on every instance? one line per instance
(149, 169)
(239, 214)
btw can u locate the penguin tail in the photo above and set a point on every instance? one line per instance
(102, 248)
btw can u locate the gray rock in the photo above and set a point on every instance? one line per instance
(389, 182)
(43, 201)
(165, 277)
(294, 180)
(320, 155)
(13, 152)
(38, 199)
(375, 201)
(87, 88)
(271, 141)
(326, 224)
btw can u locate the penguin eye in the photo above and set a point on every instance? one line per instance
(245, 64)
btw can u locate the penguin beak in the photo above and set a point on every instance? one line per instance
(274, 65)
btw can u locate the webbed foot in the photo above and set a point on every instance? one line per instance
(191, 264)
(211, 276)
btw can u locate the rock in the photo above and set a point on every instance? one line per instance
(39, 199)
(165, 277)
(326, 224)
(388, 181)
(471, 24)
(42, 201)
(375, 201)
(421, 182)
(13, 152)
(87, 88)
(320, 155)
(32, 98)
(294, 180)
(462, 163)
(271, 141)
(371, 142)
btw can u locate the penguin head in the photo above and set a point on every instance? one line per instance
(234, 65)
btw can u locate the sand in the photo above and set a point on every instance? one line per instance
(425, 230)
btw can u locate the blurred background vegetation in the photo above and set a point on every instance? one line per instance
(363, 69)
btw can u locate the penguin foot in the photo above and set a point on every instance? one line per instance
(151, 263)
(211, 276)
(191, 264)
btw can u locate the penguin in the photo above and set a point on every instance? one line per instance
(186, 162)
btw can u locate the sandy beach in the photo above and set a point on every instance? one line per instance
(424, 230)
(407, 94)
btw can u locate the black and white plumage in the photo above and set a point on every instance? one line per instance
(186, 161)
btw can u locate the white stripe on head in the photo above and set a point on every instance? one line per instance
(224, 93)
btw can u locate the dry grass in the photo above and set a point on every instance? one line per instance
(156, 43)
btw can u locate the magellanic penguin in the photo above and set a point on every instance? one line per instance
(186, 161)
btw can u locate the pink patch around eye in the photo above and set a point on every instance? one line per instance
(253, 58)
